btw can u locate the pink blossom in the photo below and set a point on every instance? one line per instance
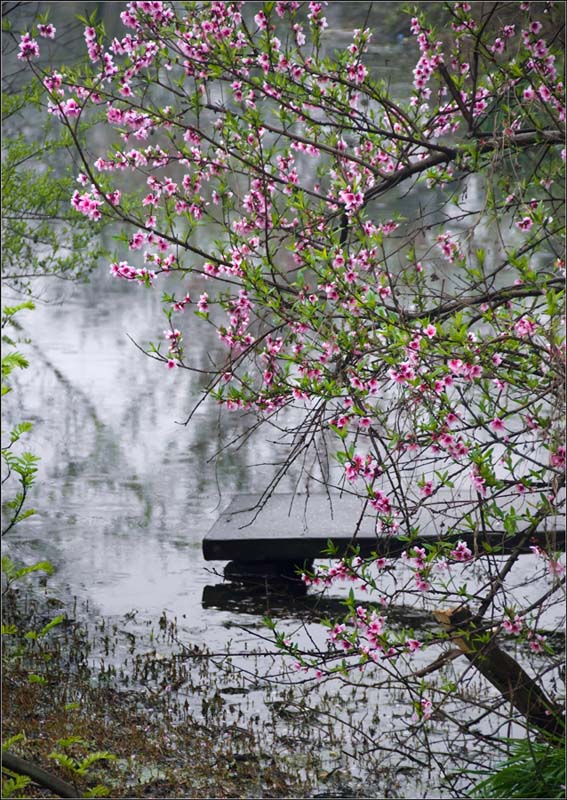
(47, 31)
(524, 327)
(425, 710)
(336, 631)
(412, 645)
(71, 108)
(388, 227)
(536, 641)
(261, 21)
(137, 240)
(497, 425)
(422, 585)
(478, 481)
(461, 552)
(537, 646)
(449, 247)
(498, 46)
(315, 15)
(430, 331)
(203, 304)
(352, 200)
(525, 224)
(455, 365)
(472, 371)
(416, 554)
(28, 48)
(557, 458)
(381, 502)
(125, 271)
(87, 204)
(513, 625)
(555, 568)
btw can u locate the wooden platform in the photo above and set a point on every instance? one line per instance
(297, 527)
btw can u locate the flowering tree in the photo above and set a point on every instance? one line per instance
(424, 351)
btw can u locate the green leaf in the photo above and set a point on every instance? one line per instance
(29, 512)
(10, 311)
(70, 740)
(13, 361)
(64, 761)
(9, 630)
(97, 791)
(54, 622)
(18, 430)
(14, 785)
(18, 737)
(12, 572)
(93, 758)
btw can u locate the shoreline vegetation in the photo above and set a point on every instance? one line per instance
(127, 709)
(98, 708)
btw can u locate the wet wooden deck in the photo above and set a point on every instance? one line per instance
(296, 528)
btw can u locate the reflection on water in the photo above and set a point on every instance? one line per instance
(123, 487)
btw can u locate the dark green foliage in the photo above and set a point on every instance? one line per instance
(533, 770)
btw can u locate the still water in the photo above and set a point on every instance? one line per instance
(125, 492)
